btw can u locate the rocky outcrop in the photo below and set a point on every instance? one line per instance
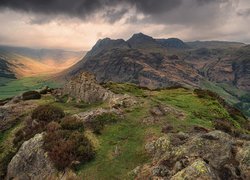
(212, 155)
(31, 161)
(30, 95)
(90, 115)
(11, 113)
(84, 87)
(199, 169)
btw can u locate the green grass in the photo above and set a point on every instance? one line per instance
(121, 88)
(219, 89)
(231, 94)
(7, 149)
(128, 136)
(4, 81)
(9, 88)
(71, 107)
(199, 111)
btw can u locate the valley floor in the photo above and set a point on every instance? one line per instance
(13, 87)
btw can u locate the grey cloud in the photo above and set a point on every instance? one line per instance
(113, 15)
(244, 12)
(85, 8)
(156, 11)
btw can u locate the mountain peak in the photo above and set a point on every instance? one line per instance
(140, 36)
(105, 44)
(142, 41)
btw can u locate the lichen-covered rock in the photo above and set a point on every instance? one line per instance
(84, 87)
(121, 101)
(243, 156)
(90, 115)
(198, 170)
(11, 113)
(31, 161)
(158, 146)
(160, 171)
(204, 156)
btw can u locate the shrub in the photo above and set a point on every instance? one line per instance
(41, 116)
(31, 128)
(96, 126)
(223, 125)
(47, 113)
(53, 126)
(61, 153)
(65, 147)
(4, 163)
(72, 123)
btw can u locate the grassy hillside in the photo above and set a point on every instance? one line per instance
(120, 146)
(236, 97)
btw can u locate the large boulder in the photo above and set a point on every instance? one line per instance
(212, 155)
(198, 170)
(31, 95)
(31, 161)
(84, 87)
(159, 146)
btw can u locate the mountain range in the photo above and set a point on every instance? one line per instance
(223, 67)
(156, 63)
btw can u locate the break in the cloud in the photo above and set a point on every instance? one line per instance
(77, 24)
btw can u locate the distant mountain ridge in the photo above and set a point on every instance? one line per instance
(156, 58)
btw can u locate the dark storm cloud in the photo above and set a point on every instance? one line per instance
(85, 8)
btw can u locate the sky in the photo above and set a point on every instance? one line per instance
(78, 24)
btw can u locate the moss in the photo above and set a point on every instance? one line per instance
(200, 167)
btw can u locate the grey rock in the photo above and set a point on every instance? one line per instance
(30, 95)
(243, 157)
(198, 170)
(158, 146)
(84, 87)
(31, 161)
(160, 171)
(91, 114)
(182, 135)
